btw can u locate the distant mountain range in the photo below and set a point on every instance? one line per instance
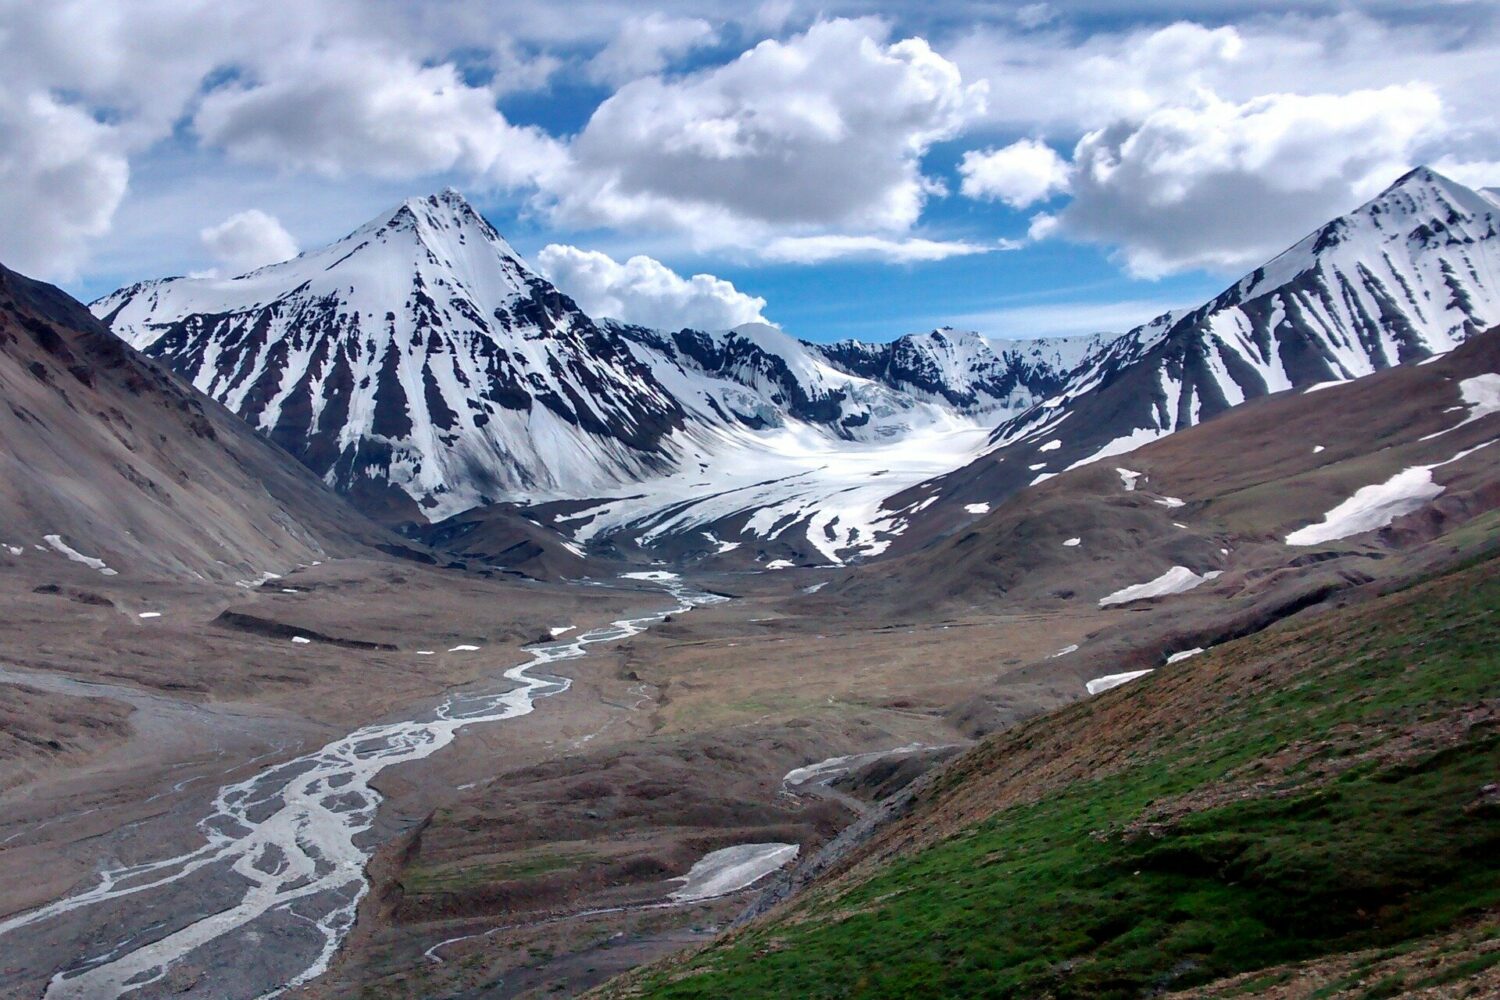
(421, 368)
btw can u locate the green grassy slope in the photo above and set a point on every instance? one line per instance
(1308, 791)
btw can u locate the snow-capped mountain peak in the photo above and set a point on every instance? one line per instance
(418, 359)
(1422, 207)
(1411, 273)
(421, 366)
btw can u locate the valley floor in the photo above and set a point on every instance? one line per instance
(549, 875)
(129, 705)
(536, 855)
(545, 854)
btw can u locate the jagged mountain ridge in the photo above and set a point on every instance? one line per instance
(967, 370)
(1412, 273)
(422, 367)
(418, 360)
(859, 391)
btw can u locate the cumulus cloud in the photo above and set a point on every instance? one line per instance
(811, 141)
(1224, 185)
(1216, 146)
(906, 250)
(357, 108)
(1472, 173)
(645, 45)
(123, 74)
(825, 130)
(1047, 78)
(141, 59)
(645, 291)
(1020, 174)
(247, 240)
(1071, 81)
(63, 175)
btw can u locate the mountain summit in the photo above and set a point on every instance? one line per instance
(1412, 273)
(418, 359)
(421, 367)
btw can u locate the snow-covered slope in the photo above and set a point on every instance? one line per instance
(967, 371)
(421, 367)
(1412, 273)
(417, 358)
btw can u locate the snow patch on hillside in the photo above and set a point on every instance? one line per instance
(1376, 506)
(1177, 580)
(731, 869)
(1101, 684)
(74, 555)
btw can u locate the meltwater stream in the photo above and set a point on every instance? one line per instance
(280, 874)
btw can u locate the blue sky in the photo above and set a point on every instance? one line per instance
(842, 169)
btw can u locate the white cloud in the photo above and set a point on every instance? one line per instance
(645, 291)
(1223, 186)
(646, 45)
(813, 136)
(63, 175)
(1063, 319)
(141, 59)
(1020, 174)
(1068, 81)
(825, 130)
(906, 250)
(1034, 15)
(247, 240)
(1217, 146)
(1471, 173)
(1050, 79)
(772, 15)
(1042, 225)
(355, 108)
(132, 70)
